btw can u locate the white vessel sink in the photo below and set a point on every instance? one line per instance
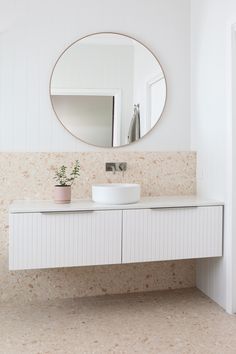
(116, 193)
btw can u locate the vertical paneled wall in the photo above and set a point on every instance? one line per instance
(33, 35)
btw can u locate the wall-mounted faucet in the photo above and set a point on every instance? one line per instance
(116, 167)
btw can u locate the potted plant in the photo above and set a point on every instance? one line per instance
(62, 190)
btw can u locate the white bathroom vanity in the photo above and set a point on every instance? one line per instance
(47, 235)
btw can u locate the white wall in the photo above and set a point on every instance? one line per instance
(34, 33)
(212, 127)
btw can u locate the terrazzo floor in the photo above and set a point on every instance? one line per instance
(176, 321)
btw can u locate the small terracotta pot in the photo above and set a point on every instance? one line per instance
(62, 194)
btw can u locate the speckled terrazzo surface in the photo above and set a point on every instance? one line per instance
(179, 321)
(30, 176)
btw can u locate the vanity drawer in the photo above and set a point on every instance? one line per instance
(172, 233)
(64, 239)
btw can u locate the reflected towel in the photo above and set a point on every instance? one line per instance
(134, 128)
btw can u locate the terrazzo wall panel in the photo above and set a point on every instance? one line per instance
(30, 176)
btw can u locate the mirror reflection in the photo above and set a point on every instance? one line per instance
(108, 89)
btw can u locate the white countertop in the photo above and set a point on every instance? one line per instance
(40, 206)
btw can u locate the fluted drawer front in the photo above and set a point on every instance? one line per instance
(174, 233)
(45, 240)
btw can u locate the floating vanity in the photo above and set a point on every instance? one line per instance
(47, 235)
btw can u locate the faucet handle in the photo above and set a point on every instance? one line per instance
(123, 166)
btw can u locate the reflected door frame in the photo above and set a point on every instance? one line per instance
(149, 84)
(116, 93)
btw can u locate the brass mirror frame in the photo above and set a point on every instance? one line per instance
(50, 81)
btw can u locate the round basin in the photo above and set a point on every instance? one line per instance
(116, 193)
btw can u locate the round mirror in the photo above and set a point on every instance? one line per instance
(108, 89)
